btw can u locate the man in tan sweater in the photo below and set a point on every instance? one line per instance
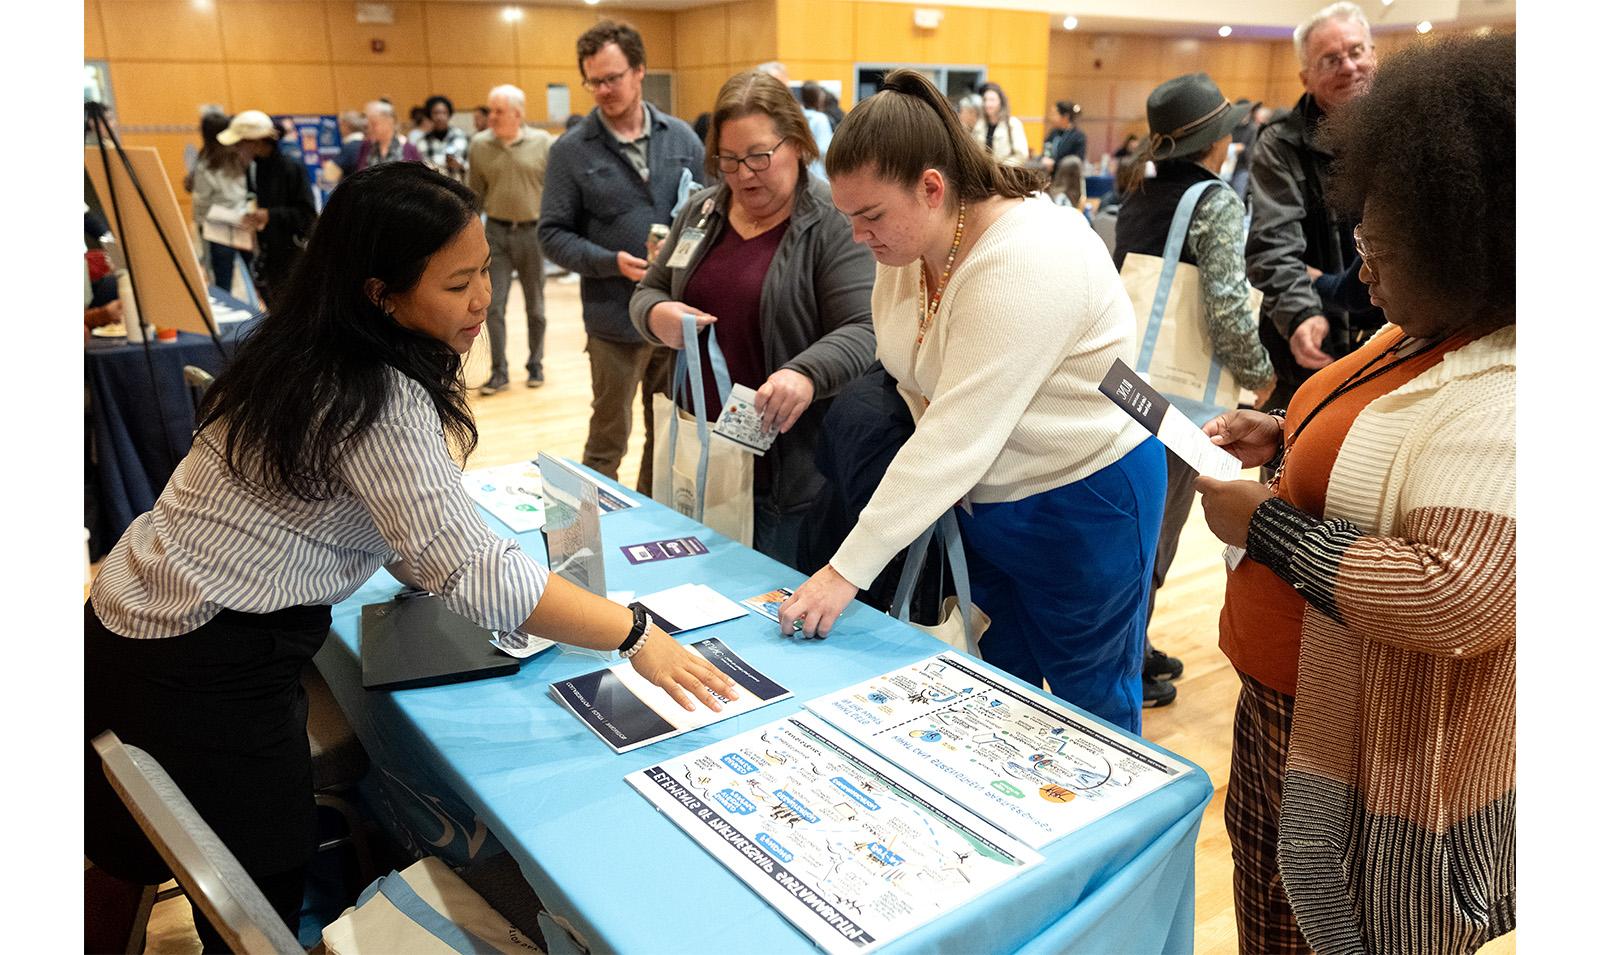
(506, 165)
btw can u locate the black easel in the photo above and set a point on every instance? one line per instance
(95, 117)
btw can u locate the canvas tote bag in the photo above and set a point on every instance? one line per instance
(1175, 353)
(961, 623)
(697, 472)
(427, 910)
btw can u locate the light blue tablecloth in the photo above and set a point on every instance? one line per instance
(501, 754)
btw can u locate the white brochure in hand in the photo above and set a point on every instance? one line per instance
(741, 423)
(1147, 406)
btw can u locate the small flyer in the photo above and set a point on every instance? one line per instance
(652, 551)
(767, 604)
(741, 423)
(1008, 753)
(1149, 407)
(851, 850)
(628, 711)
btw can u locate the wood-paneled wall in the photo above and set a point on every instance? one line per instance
(1111, 75)
(825, 39)
(167, 58)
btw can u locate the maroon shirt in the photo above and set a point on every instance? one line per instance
(727, 284)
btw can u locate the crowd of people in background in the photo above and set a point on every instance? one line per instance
(917, 241)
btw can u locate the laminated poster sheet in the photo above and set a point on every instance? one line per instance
(848, 848)
(1012, 755)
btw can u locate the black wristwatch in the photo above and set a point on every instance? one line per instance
(641, 623)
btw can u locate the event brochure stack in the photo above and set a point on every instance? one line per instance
(892, 802)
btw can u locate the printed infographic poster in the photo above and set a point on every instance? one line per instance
(851, 850)
(1009, 754)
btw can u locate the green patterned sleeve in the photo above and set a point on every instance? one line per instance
(1216, 237)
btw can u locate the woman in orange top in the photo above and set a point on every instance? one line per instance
(1371, 802)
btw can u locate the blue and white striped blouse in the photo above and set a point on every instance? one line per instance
(213, 543)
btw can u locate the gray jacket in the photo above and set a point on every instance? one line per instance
(1290, 228)
(595, 204)
(816, 314)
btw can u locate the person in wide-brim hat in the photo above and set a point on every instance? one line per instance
(1188, 113)
(249, 124)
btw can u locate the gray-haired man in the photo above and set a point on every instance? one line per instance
(1291, 231)
(506, 166)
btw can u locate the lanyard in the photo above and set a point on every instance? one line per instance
(1360, 377)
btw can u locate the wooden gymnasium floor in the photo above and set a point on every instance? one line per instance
(520, 421)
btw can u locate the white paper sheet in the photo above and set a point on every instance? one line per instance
(690, 607)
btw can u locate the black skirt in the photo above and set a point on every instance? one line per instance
(222, 710)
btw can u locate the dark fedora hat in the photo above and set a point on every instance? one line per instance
(1188, 114)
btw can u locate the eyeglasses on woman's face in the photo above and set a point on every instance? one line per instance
(1365, 249)
(756, 161)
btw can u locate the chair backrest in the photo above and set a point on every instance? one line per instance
(207, 870)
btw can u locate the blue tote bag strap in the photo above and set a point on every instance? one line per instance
(1170, 255)
(689, 362)
(948, 529)
(916, 555)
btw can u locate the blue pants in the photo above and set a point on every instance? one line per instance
(1065, 576)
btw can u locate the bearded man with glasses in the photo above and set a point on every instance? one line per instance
(1294, 238)
(610, 178)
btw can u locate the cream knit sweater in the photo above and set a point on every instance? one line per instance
(1010, 370)
(1398, 827)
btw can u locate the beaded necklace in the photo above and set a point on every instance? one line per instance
(930, 309)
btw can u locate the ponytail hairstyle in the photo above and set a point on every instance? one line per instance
(317, 371)
(908, 127)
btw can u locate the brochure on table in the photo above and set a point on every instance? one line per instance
(1012, 755)
(848, 848)
(628, 711)
(514, 494)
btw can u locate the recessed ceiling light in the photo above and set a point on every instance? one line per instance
(591, 2)
(1224, 31)
(1070, 23)
(1425, 26)
(511, 14)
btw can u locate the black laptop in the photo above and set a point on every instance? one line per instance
(414, 641)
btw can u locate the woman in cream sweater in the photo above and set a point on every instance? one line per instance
(1061, 492)
(997, 130)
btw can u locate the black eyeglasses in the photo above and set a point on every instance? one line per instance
(609, 80)
(758, 162)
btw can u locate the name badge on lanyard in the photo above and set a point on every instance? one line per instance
(690, 238)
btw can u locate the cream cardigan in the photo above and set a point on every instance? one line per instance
(1010, 140)
(1010, 367)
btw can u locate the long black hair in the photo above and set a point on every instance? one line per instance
(316, 373)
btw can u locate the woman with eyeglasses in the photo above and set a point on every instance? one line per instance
(768, 260)
(1372, 615)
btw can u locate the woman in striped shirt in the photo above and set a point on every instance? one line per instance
(328, 449)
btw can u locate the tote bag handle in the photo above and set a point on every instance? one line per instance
(688, 365)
